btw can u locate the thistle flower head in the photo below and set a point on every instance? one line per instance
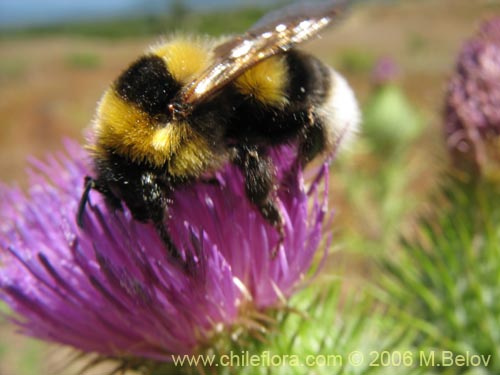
(472, 112)
(112, 289)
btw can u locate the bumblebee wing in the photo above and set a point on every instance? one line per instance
(275, 33)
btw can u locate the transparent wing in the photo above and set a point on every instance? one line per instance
(275, 33)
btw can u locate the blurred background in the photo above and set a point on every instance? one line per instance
(57, 57)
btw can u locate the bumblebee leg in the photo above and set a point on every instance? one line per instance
(89, 184)
(272, 214)
(259, 186)
(312, 141)
(146, 197)
(167, 240)
(162, 230)
(211, 181)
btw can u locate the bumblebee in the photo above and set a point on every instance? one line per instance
(190, 105)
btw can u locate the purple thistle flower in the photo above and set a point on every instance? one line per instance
(113, 289)
(384, 71)
(472, 113)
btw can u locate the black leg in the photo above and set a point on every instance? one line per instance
(312, 141)
(89, 184)
(167, 240)
(210, 181)
(259, 185)
(93, 184)
(146, 197)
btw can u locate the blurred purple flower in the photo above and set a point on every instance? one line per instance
(112, 289)
(472, 112)
(384, 71)
(490, 30)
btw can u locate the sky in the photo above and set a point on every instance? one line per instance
(39, 12)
